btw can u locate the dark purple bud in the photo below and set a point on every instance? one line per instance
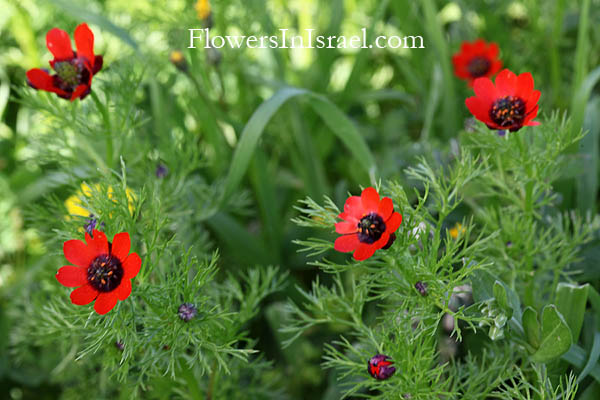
(119, 345)
(390, 241)
(421, 288)
(161, 171)
(470, 124)
(509, 244)
(187, 311)
(91, 223)
(380, 367)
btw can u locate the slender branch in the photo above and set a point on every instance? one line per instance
(107, 126)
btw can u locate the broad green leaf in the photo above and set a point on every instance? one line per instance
(483, 285)
(502, 298)
(337, 121)
(593, 359)
(571, 301)
(556, 336)
(245, 247)
(587, 180)
(531, 325)
(577, 357)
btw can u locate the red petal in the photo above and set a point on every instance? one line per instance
(98, 244)
(83, 295)
(506, 83)
(492, 51)
(392, 224)
(479, 46)
(59, 44)
(346, 243)
(385, 237)
(84, 41)
(42, 80)
(98, 61)
(121, 245)
(364, 251)
(346, 227)
(531, 115)
(124, 290)
(524, 85)
(350, 218)
(105, 302)
(386, 207)
(533, 99)
(78, 253)
(370, 199)
(71, 276)
(496, 66)
(485, 90)
(354, 207)
(132, 266)
(79, 91)
(478, 108)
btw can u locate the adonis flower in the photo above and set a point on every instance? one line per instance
(74, 69)
(369, 224)
(379, 367)
(102, 271)
(509, 104)
(475, 60)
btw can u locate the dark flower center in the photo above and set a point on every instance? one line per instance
(71, 73)
(508, 112)
(370, 228)
(105, 273)
(478, 66)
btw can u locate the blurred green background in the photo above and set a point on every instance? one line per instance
(406, 103)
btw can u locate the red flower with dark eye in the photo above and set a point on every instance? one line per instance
(369, 224)
(510, 104)
(102, 271)
(476, 60)
(74, 69)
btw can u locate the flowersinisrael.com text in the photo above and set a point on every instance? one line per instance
(203, 38)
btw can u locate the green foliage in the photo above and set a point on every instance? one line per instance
(261, 149)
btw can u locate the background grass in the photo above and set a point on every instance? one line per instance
(262, 129)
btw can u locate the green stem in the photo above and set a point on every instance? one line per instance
(106, 119)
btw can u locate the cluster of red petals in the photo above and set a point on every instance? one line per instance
(360, 214)
(74, 69)
(89, 259)
(509, 104)
(475, 60)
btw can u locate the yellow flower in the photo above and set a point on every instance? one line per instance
(75, 206)
(203, 9)
(178, 60)
(458, 229)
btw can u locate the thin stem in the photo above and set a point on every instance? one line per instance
(107, 126)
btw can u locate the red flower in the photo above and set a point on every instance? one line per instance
(510, 104)
(369, 224)
(476, 60)
(74, 69)
(103, 270)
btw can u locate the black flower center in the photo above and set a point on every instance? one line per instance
(71, 73)
(478, 66)
(508, 112)
(105, 273)
(370, 228)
